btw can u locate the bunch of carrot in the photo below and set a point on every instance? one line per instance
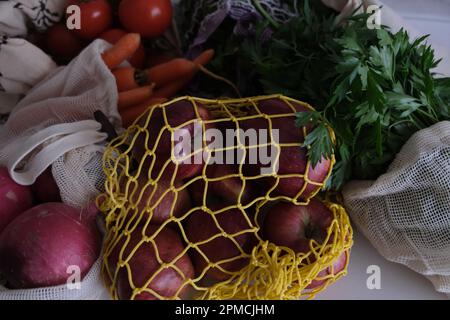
(140, 89)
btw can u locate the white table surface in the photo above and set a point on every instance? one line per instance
(429, 16)
(397, 281)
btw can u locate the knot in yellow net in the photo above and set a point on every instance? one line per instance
(213, 199)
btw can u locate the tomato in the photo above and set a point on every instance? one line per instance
(96, 17)
(113, 35)
(62, 44)
(150, 18)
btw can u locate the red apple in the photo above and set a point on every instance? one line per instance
(227, 189)
(292, 159)
(158, 137)
(201, 226)
(294, 226)
(144, 264)
(197, 191)
(338, 267)
(162, 200)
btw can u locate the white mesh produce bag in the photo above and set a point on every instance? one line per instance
(53, 125)
(90, 288)
(406, 212)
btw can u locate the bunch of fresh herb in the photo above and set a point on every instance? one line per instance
(382, 91)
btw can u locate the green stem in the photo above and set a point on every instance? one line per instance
(433, 111)
(265, 14)
(397, 123)
(430, 117)
(417, 123)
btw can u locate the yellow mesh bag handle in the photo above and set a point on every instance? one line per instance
(272, 272)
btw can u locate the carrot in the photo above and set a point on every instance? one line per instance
(132, 97)
(170, 71)
(172, 88)
(131, 114)
(122, 50)
(130, 78)
(205, 57)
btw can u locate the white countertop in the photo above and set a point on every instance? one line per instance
(396, 281)
(428, 16)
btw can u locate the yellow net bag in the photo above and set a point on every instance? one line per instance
(189, 216)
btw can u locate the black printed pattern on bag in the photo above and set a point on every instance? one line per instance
(3, 120)
(40, 14)
(1, 87)
(3, 40)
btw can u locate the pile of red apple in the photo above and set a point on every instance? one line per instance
(203, 225)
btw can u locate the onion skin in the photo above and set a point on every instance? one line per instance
(14, 199)
(39, 246)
